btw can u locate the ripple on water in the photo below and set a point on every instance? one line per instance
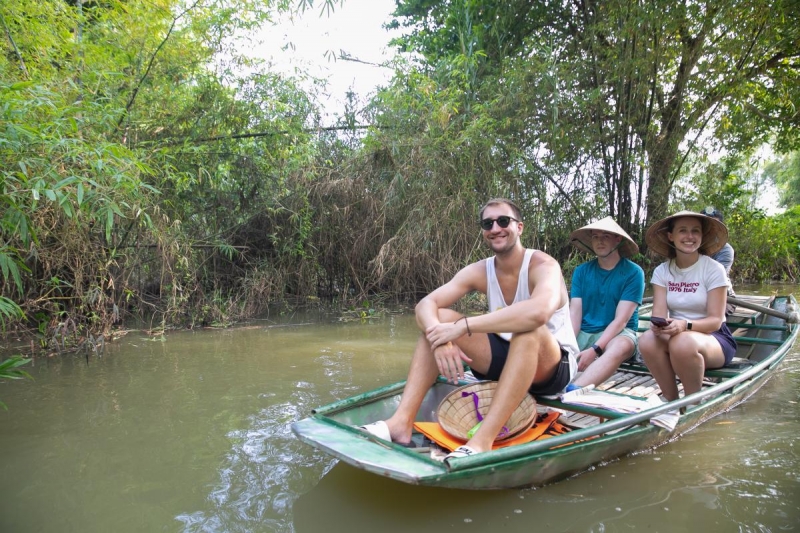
(264, 472)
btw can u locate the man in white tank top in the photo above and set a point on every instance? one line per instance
(525, 341)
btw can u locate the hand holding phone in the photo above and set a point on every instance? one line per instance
(658, 321)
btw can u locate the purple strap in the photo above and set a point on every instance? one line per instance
(475, 400)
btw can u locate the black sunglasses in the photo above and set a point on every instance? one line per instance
(503, 222)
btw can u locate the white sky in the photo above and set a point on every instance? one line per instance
(354, 28)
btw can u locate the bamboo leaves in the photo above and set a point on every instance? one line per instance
(10, 368)
(10, 266)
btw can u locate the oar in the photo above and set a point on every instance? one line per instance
(791, 318)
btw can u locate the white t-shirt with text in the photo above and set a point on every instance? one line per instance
(687, 288)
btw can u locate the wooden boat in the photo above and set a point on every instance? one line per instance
(765, 328)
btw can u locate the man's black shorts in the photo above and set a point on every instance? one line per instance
(554, 385)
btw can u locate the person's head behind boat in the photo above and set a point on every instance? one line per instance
(594, 238)
(660, 237)
(713, 212)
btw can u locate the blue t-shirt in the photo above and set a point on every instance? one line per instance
(725, 257)
(601, 290)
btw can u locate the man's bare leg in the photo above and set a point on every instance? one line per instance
(421, 375)
(533, 357)
(617, 352)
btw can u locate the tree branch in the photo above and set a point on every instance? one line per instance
(14, 46)
(257, 134)
(150, 64)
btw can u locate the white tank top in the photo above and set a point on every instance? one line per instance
(559, 324)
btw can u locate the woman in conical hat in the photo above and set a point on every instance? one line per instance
(690, 292)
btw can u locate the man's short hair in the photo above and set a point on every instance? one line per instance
(500, 201)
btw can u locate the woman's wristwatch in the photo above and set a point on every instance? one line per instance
(689, 325)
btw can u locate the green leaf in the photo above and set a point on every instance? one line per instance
(66, 181)
(10, 269)
(114, 207)
(20, 85)
(66, 206)
(109, 224)
(9, 310)
(9, 369)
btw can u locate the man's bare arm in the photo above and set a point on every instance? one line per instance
(623, 313)
(448, 356)
(547, 296)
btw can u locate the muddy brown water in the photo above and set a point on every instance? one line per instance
(190, 432)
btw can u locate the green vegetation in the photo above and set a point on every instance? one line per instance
(10, 369)
(785, 173)
(150, 169)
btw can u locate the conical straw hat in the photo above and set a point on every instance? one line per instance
(715, 234)
(582, 238)
(457, 413)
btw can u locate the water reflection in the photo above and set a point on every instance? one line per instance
(267, 467)
(348, 499)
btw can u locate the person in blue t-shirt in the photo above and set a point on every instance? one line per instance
(725, 258)
(605, 297)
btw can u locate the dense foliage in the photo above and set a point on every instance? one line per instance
(111, 200)
(150, 169)
(785, 173)
(610, 96)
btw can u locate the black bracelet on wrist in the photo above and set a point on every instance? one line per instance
(469, 333)
(598, 350)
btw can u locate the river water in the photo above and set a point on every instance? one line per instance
(190, 432)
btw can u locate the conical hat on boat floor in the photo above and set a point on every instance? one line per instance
(462, 409)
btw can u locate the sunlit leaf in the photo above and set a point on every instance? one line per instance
(109, 224)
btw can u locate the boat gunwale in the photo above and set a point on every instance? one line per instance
(346, 403)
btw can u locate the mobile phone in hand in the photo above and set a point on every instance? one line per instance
(658, 321)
